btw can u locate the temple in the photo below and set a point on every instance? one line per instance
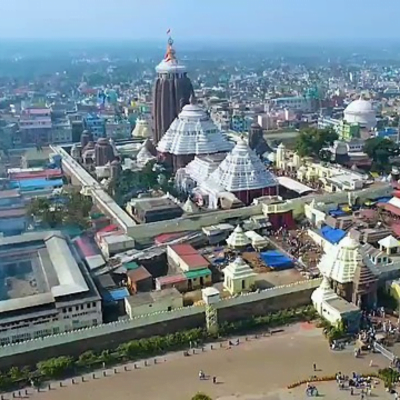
(352, 272)
(172, 90)
(191, 133)
(242, 174)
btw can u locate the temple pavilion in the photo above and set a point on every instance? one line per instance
(238, 277)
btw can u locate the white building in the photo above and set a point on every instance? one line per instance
(361, 112)
(46, 288)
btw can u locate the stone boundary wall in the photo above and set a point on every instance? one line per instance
(109, 336)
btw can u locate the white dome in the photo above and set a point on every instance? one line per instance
(193, 132)
(361, 112)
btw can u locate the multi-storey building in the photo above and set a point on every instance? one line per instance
(46, 288)
(95, 125)
(35, 126)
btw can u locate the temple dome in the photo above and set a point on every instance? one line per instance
(142, 129)
(241, 170)
(193, 132)
(361, 112)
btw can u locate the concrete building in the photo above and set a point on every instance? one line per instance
(297, 103)
(172, 91)
(61, 131)
(35, 126)
(148, 303)
(46, 288)
(95, 125)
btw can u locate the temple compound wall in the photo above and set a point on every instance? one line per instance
(109, 336)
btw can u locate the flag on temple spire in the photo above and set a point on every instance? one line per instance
(168, 31)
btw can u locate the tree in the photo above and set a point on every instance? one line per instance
(55, 367)
(311, 141)
(380, 150)
(201, 396)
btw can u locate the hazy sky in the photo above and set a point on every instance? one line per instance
(266, 20)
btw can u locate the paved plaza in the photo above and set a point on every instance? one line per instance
(256, 369)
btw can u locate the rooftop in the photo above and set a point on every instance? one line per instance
(37, 269)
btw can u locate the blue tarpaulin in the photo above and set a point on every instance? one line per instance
(276, 260)
(332, 235)
(383, 199)
(110, 296)
(337, 213)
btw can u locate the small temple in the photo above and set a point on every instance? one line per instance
(238, 277)
(142, 129)
(238, 239)
(192, 133)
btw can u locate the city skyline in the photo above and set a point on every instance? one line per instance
(253, 20)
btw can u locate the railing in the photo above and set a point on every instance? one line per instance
(384, 351)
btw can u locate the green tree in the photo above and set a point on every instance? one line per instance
(55, 367)
(201, 396)
(380, 150)
(311, 141)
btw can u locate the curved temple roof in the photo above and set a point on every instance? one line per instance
(242, 169)
(193, 132)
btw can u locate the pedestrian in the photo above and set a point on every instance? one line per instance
(201, 375)
(352, 390)
(315, 366)
(214, 379)
(371, 363)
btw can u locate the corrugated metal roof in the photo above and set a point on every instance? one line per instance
(68, 272)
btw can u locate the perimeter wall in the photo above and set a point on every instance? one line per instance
(109, 336)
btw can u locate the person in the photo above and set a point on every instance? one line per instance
(352, 390)
(315, 366)
(214, 379)
(201, 375)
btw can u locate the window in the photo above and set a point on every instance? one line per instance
(94, 304)
(88, 305)
(70, 309)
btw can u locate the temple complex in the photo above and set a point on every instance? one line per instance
(172, 90)
(192, 133)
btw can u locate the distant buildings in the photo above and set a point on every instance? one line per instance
(95, 125)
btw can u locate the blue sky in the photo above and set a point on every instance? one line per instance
(264, 20)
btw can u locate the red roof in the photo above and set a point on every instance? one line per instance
(171, 279)
(47, 173)
(86, 248)
(390, 208)
(189, 255)
(109, 228)
(396, 193)
(395, 228)
(166, 237)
